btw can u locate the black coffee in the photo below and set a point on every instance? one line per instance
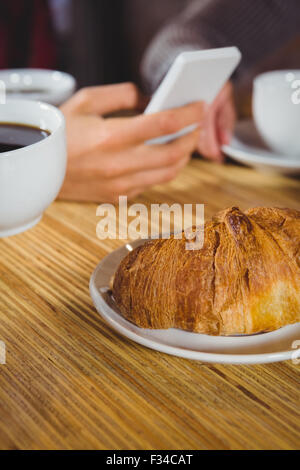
(25, 91)
(16, 136)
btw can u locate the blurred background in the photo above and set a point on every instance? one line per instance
(98, 41)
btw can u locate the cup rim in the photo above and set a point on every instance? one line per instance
(69, 80)
(266, 77)
(50, 137)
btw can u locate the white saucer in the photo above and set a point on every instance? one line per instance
(49, 86)
(247, 147)
(260, 348)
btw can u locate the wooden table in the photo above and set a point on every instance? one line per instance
(71, 382)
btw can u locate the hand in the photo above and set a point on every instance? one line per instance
(109, 157)
(218, 125)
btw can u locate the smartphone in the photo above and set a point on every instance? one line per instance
(193, 76)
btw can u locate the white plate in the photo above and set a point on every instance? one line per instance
(247, 147)
(260, 348)
(49, 86)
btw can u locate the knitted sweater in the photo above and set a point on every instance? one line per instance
(256, 27)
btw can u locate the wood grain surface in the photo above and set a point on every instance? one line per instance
(70, 382)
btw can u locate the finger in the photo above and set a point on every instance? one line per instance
(145, 157)
(218, 125)
(208, 144)
(106, 99)
(141, 128)
(226, 115)
(135, 192)
(139, 158)
(225, 123)
(92, 187)
(129, 183)
(225, 95)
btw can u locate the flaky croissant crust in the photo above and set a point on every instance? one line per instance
(245, 279)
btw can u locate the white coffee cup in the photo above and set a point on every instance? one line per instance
(276, 110)
(31, 177)
(49, 86)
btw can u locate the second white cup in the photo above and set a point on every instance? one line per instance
(276, 110)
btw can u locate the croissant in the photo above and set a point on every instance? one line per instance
(244, 280)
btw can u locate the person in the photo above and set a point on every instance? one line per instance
(108, 157)
(257, 27)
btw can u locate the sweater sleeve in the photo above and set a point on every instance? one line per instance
(256, 27)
